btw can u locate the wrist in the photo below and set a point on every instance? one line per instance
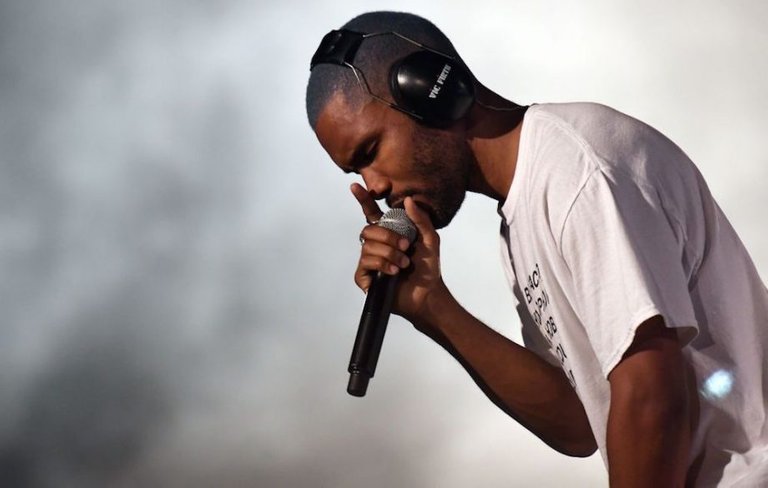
(436, 305)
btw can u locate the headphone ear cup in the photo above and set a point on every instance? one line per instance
(432, 86)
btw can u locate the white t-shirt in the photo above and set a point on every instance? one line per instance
(608, 223)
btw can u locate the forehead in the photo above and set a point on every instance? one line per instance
(342, 125)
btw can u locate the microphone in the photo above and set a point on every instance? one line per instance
(378, 305)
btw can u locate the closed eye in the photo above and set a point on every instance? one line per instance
(370, 154)
(363, 156)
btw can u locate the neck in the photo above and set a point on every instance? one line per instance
(494, 136)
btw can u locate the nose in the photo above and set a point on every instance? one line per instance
(378, 184)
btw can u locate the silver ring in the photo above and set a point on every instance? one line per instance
(362, 241)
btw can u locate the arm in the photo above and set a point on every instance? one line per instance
(527, 388)
(535, 393)
(649, 425)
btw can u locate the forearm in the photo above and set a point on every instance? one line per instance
(528, 388)
(535, 393)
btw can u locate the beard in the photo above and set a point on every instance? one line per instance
(442, 161)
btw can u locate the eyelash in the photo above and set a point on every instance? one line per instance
(367, 158)
(370, 155)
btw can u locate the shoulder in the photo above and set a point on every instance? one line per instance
(609, 140)
(555, 161)
(563, 142)
(578, 127)
(577, 114)
(605, 131)
(594, 124)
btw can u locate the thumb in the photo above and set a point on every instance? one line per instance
(422, 221)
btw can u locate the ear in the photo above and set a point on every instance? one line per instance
(432, 86)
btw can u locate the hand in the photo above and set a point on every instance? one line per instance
(385, 251)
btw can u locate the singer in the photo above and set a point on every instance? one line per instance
(645, 322)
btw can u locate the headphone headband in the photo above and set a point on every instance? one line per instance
(337, 47)
(419, 82)
(340, 46)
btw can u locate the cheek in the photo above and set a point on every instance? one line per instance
(424, 150)
(438, 154)
(428, 159)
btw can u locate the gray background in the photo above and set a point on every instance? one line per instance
(177, 250)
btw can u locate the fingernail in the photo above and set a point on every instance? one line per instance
(404, 261)
(393, 269)
(403, 244)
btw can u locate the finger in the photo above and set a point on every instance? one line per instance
(422, 221)
(375, 264)
(385, 236)
(367, 203)
(368, 266)
(363, 281)
(378, 257)
(391, 255)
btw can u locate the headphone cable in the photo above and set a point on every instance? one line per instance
(501, 109)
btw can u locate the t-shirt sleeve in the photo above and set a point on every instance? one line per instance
(625, 260)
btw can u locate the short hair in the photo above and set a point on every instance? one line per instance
(374, 58)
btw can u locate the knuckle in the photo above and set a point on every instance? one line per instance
(394, 255)
(372, 263)
(359, 272)
(358, 281)
(368, 232)
(371, 248)
(381, 263)
(381, 234)
(394, 238)
(390, 237)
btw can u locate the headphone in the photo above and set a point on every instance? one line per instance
(429, 85)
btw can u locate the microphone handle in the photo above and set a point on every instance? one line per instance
(370, 333)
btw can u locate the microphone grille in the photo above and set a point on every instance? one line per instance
(396, 220)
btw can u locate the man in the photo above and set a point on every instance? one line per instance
(644, 320)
